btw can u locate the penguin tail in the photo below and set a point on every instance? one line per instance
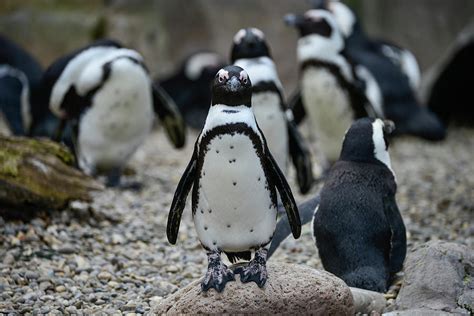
(368, 278)
(235, 256)
(283, 230)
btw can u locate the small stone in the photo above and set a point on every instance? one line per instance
(31, 275)
(60, 288)
(104, 276)
(46, 285)
(113, 284)
(118, 239)
(172, 269)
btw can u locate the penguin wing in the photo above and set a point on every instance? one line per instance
(10, 103)
(295, 103)
(398, 239)
(301, 157)
(179, 199)
(169, 115)
(285, 194)
(282, 230)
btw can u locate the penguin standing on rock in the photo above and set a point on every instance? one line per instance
(190, 86)
(251, 52)
(234, 179)
(331, 92)
(104, 91)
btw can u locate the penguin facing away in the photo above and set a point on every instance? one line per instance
(397, 73)
(358, 228)
(251, 52)
(234, 180)
(331, 91)
(105, 93)
(190, 86)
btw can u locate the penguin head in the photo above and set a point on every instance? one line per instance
(249, 43)
(203, 64)
(367, 141)
(316, 21)
(232, 86)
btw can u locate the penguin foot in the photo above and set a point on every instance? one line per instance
(256, 270)
(217, 275)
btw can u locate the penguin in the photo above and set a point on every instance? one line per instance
(251, 52)
(331, 91)
(105, 92)
(358, 229)
(234, 180)
(20, 75)
(397, 73)
(190, 86)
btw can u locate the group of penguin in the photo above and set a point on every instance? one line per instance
(101, 101)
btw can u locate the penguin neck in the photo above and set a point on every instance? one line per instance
(315, 46)
(222, 114)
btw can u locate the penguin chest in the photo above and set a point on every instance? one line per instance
(329, 109)
(272, 122)
(234, 207)
(120, 118)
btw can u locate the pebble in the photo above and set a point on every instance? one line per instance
(60, 289)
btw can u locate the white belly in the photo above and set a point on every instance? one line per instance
(329, 109)
(234, 210)
(117, 123)
(271, 119)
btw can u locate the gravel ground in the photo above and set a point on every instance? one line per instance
(112, 256)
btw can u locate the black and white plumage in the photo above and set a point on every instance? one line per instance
(105, 92)
(396, 71)
(234, 180)
(20, 75)
(251, 52)
(332, 93)
(359, 231)
(190, 86)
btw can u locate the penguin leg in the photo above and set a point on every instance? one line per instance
(113, 177)
(218, 274)
(256, 270)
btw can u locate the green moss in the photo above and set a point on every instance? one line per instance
(9, 164)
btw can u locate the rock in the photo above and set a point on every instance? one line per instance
(39, 173)
(438, 276)
(366, 301)
(290, 289)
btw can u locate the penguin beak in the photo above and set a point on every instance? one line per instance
(389, 126)
(294, 20)
(233, 84)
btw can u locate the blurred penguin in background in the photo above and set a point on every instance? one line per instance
(396, 72)
(105, 93)
(190, 86)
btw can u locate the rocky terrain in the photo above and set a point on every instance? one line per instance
(112, 255)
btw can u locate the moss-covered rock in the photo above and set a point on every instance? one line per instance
(39, 173)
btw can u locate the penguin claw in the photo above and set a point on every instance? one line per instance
(254, 271)
(217, 277)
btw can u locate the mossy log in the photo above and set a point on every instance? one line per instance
(39, 173)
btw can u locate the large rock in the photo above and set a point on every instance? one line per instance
(439, 277)
(39, 173)
(290, 289)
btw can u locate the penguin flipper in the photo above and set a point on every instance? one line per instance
(169, 115)
(179, 200)
(285, 194)
(295, 103)
(398, 239)
(282, 230)
(301, 157)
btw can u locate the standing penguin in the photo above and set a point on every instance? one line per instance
(105, 92)
(331, 92)
(396, 71)
(234, 179)
(190, 86)
(251, 52)
(358, 228)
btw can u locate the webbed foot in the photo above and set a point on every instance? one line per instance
(217, 275)
(256, 270)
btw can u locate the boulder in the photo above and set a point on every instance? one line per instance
(367, 302)
(439, 276)
(290, 289)
(39, 173)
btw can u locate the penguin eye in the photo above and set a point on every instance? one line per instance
(221, 79)
(245, 81)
